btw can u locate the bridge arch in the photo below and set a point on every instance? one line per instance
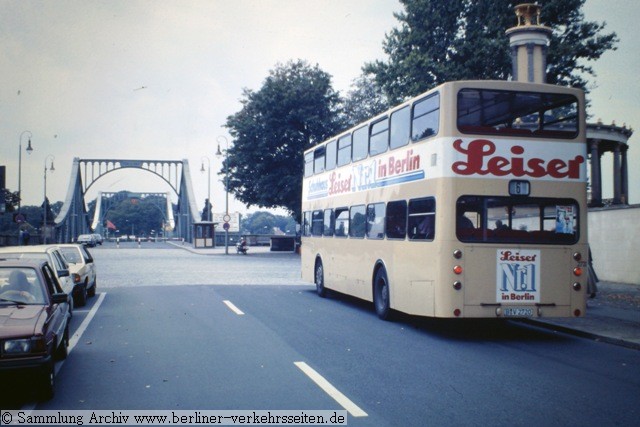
(73, 218)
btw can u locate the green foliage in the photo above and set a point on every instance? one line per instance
(364, 100)
(262, 222)
(442, 41)
(11, 200)
(136, 216)
(294, 109)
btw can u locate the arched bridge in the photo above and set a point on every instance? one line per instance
(74, 219)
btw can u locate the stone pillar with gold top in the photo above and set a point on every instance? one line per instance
(529, 41)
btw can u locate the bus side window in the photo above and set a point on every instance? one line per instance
(396, 227)
(318, 160)
(331, 155)
(329, 222)
(316, 223)
(344, 150)
(360, 144)
(400, 128)
(306, 224)
(422, 219)
(375, 221)
(342, 222)
(426, 116)
(308, 164)
(379, 138)
(358, 221)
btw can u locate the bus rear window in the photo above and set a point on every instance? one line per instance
(510, 113)
(487, 219)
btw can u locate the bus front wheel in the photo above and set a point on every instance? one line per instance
(319, 279)
(381, 294)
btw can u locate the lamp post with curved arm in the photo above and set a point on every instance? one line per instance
(219, 153)
(208, 208)
(51, 168)
(29, 150)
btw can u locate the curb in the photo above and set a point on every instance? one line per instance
(583, 334)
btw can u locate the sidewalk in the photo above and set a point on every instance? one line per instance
(612, 316)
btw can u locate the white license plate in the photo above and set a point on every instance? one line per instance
(518, 312)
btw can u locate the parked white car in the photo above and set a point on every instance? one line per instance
(83, 271)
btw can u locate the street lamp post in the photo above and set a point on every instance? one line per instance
(208, 185)
(29, 150)
(226, 187)
(51, 168)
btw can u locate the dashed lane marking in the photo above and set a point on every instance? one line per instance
(233, 308)
(328, 388)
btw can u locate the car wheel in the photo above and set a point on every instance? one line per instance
(381, 299)
(319, 279)
(63, 349)
(92, 290)
(82, 296)
(47, 382)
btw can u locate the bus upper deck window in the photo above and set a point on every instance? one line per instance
(331, 155)
(360, 144)
(379, 138)
(426, 116)
(344, 150)
(400, 128)
(308, 164)
(318, 160)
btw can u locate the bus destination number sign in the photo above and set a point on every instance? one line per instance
(518, 187)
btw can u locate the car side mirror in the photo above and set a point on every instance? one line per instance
(59, 298)
(63, 273)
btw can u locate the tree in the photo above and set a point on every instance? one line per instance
(442, 41)
(50, 216)
(294, 109)
(365, 100)
(11, 200)
(263, 222)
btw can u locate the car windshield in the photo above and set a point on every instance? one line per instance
(72, 255)
(20, 285)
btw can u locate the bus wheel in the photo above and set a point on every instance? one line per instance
(319, 279)
(381, 294)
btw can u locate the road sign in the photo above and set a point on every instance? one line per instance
(226, 226)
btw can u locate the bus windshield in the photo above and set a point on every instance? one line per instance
(510, 113)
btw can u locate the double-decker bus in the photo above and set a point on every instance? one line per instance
(468, 201)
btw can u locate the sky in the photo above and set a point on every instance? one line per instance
(157, 79)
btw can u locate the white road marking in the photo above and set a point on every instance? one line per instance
(233, 308)
(328, 388)
(85, 323)
(72, 343)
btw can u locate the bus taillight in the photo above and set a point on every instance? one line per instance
(457, 285)
(457, 312)
(577, 271)
(457, 254)
(577, 256)
(457, 269)
(577, 312)
(577, 286)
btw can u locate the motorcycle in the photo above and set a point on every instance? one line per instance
(241, 248)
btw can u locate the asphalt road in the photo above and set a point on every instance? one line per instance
(170, 330)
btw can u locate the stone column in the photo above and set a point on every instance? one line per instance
(617, 176)
(596, 178)
(625, 176)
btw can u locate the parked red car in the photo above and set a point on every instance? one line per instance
(34, 323)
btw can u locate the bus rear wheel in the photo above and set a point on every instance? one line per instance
(381, 294)
(319, 279)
